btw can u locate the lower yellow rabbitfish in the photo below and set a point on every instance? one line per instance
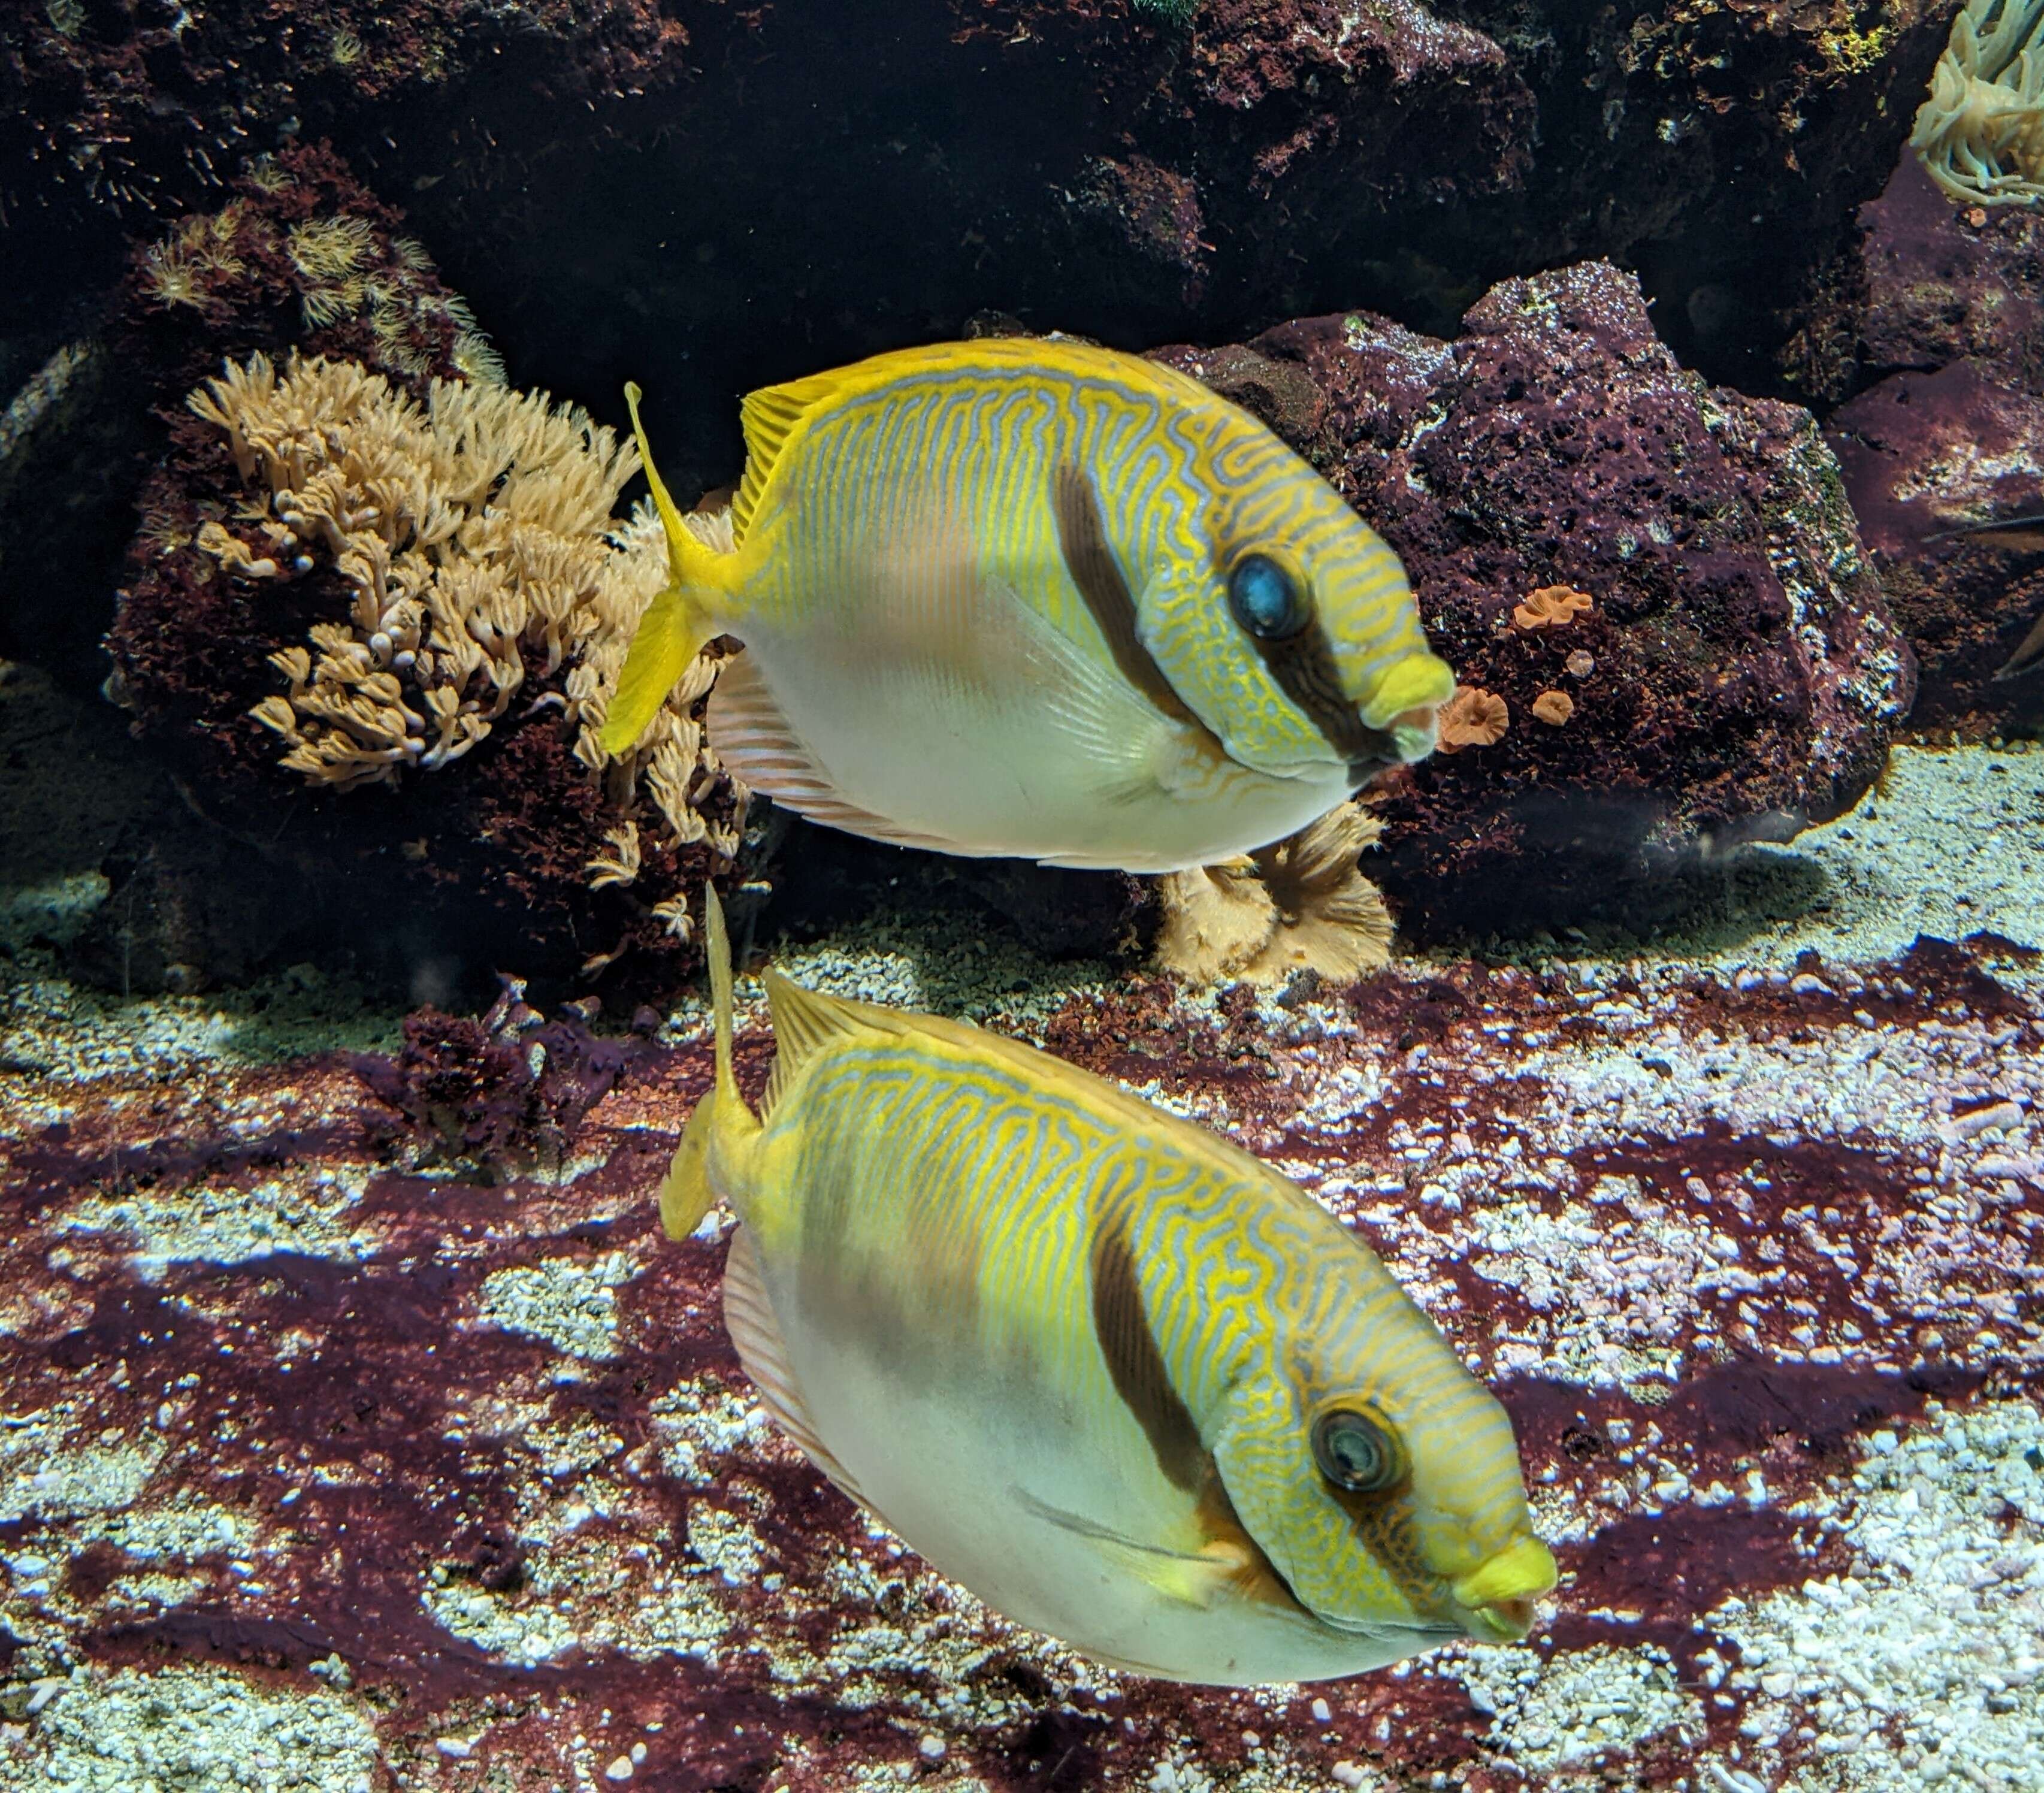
(1031, 597)
(1128, 1385)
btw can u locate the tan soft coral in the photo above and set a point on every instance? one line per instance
(474, 535)
(1302, 904)
(1980, 133)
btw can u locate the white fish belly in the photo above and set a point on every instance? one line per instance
(962, 1466)
(988, 765)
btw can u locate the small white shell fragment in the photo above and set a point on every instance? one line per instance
(1997, 1117)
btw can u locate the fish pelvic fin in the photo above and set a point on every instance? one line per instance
(721, 1132)
(677, 623)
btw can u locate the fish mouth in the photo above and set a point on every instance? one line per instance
(1499, 1594)
(1408, 737)
(1503, 1621)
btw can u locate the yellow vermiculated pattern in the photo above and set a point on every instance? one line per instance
(956, 446)
(920, 1167)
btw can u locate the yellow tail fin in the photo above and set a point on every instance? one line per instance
(676, 624)
(722, 1125)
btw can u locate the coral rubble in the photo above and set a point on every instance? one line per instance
(1742, 675)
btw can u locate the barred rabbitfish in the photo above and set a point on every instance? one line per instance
(1030, 597)
(1124, 1382)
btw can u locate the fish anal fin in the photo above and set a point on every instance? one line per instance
(755, 1334)
(758, 745)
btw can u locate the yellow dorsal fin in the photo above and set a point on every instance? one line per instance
(769, 417)
(803, 1022)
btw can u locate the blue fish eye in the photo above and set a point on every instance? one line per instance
(1266, 600)
(1355, 1452)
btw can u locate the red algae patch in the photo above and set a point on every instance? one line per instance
(365, 1404)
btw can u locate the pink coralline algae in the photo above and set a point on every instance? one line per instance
(311, 1407)
(1750, 673)
(1952, 436)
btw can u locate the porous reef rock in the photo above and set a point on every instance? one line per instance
(1737, 673)
(1948, 321)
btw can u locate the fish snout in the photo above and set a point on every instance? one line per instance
(1380, 754)
(1498, 1594)
(1409, 737)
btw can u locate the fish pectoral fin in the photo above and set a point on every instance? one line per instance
(1141, 751)
(755, 1334)
(2028, 656)
(1194, 1578)
(759, 747)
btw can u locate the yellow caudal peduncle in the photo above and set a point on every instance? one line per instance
(677, 623)
(722, 1127)
(720, 991)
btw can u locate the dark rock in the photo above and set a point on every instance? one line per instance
(1952, 436)
(824, 879)
(75, 441)
(1946, 283)
(711, 197)
(1744, 674)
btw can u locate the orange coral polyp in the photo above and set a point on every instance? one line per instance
(1552, 607)
(1472, 718)
(1554, 708)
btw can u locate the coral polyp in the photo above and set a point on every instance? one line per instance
(1980, 133)
(328, 249)
(472, 534)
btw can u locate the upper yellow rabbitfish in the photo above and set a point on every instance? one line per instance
(1031, 597)
(1124, 1382)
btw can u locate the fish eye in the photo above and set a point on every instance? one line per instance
(1266, 599)
(1356, 1452)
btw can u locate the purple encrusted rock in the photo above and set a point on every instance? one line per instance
(1954, 435)
(1738, 673)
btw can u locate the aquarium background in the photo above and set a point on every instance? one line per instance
(358, 1428)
